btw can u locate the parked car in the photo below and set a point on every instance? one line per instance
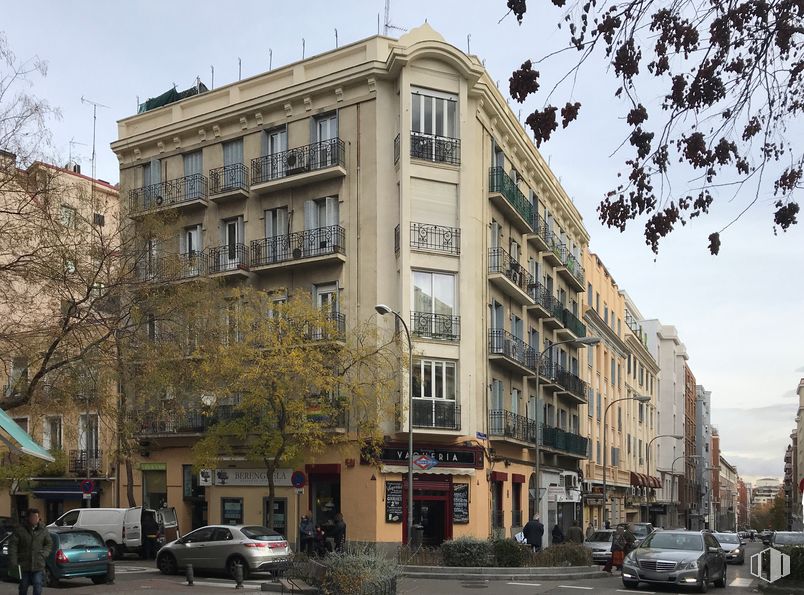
(780, 538)
(733, 545)
(639, 530)
(76, 553)
(221, 547)
(684, 558)
(766, 536)
(599, 543)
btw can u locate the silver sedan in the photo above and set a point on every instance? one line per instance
(221, 548)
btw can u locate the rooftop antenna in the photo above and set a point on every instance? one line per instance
(388, 24)
(468, 38)
(378, 23)
(239, 69)
(303, 44)
(336, 38)
(270, 58)
(75, 142)
(212, 68)
(95, 105)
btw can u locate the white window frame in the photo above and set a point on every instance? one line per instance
(421, 364)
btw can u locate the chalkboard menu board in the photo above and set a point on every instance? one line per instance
(460, 503)
(393, 501)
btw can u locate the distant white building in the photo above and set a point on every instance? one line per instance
(765, 490)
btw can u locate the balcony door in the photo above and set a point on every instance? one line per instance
(232, 165)
(275, 143)
(276, 235)
(326, 131)
(193, 167)
(497, 326)
(190, 248)
(321, 216)
(232, 240)
(88, 436)
(326, 298)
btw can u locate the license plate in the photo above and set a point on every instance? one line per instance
(88, 556)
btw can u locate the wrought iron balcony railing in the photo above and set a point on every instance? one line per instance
(173, 267)
(501, 262)
(511, 425)
(397, 150)
(539, 294)
(228, 178)
(574, 267)
(338, 321)
(298, 245)
(573, 324)
(502, 342)
(571, 382)
(167, 194)
(428, 325)
(439, 149)
(436, 413)
(501, 182)
(227, 258)
(562, 440)
(85, 462)
(438, 238)
(320, 155)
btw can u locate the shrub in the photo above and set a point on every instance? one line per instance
(467, 551)
(356, 572)
(564, 554)
(509, 553)
(796, 575)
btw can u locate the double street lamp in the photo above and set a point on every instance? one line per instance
(647, 448)
(673, 477)
(638, 398)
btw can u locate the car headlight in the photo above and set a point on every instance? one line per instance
(735, 551)
(691, 565)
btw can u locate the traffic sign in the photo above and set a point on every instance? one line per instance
(298, 479)
(87, 486)
(425, 462)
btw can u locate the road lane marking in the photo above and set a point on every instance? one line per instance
(575, 587)
(741, 582)
(632, 591)
(526, 584)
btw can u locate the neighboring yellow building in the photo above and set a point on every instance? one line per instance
(65, 216)
(386, 171)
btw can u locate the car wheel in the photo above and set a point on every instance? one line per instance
(117, 550)
(233, 562)
(704, 586)
(100, 580)
(50, 578)
(630, 584)
(166, 563)
(721, 582)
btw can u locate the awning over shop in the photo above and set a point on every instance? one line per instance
(656, 482)
(67, 491)
(434, 471)
(637, 479)
(18, 440)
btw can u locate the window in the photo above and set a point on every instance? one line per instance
(98, 219)
(619, 374)
(276, 228)
(193, 168)
(233, 152)
(274, 145)
(321, 212)
(628, 444)
(605, 313)
(597, 452)
(575, 425)
(619, 419)
(434, 113)
(496, 394)
(562, 419)
(51, 433)
(434, 293)
(22, 422)
(597, 303)
(67, 216)
(434, 379)
(599, 409)
(641, 408)
(89, 434)
(619, 327)
(613, 377)
(515, 401)
(589, 294)
(590, 354)
(326, 133)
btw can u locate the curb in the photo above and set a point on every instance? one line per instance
(771, 588)
(501, 574)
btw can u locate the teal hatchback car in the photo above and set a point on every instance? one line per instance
(77, 553)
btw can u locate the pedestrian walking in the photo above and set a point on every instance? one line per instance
(339, 532)
(590, 530)
(575, 535)
(558, 535)
(534, 532)
(306, 535)
(150, 534)
(619, 544)
(28, 548)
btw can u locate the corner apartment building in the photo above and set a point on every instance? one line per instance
(703, 439)
(690, 492)
(385, 171)
(788, 482)
(670, 353)
(765, 491)
(66, 217)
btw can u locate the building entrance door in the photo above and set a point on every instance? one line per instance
(432, 508)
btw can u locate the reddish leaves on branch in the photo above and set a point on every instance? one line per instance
(733, 74)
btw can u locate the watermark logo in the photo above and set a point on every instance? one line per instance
(770, 565)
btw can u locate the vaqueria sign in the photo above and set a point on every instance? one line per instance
(244, 477)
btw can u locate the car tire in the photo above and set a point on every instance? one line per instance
(704, 586)
(50, 579)
(721, 582)
(100, 580)
(117, 550)
(230, 566)
(630, 584)
(166, 563)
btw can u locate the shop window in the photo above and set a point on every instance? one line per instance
(232, 511)
(280, 515)
(154, 489)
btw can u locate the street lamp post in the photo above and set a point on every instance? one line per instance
(640, 399)
(580, 342)
(382, 309)
(673, 477)
(647, 451)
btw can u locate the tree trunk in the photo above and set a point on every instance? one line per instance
(130, 483)
(269, 468)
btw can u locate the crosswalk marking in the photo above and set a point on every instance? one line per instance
(741, 582)
(526, 584)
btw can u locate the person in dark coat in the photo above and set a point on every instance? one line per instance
(575, 535)
(339, 532)
(534, 532)
(150, 535)
(558, 535)
(28, 548)
(306, 535)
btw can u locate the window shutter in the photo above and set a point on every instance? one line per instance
(233, 152)
(331, 207)
(192, 163)
(310, 215)
(434, 202)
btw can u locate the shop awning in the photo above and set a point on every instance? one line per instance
(656, 482)
(18, 440)
(70, 491)
(434, 471)
(637, 479)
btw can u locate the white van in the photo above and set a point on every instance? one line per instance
(121, 528)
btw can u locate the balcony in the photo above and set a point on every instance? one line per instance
(572, 327)
(173, 267)
(509, 276)
(571, 385)
(510, 425)
(336, 332)
(85, 462)
(572, 272)
(511, 351)
(555, 249)
(440, 327)
(438, 414)
(181, 193)
(567, 442)
(545, 306)
(312, 246)
(633, 324)
(229, 182)
(438, 149)
(169, 423)
(435, 238)
(228, 260)
(311, 163)
(505, 195)
(538, 236)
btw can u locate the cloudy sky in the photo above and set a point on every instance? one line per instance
(741, 314)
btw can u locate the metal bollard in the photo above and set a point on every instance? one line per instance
(110, 574)
(190, 576)
(238, 575)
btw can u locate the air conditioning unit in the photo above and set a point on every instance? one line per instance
(296, 161)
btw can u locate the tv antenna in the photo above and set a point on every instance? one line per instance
(388, 24)
(95, 105)
(73, 142)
